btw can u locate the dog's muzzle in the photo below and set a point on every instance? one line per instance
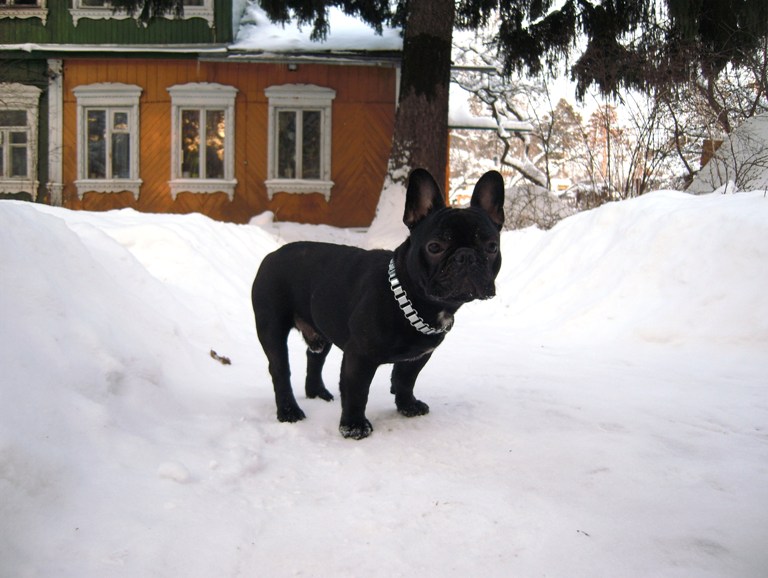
(465, 277)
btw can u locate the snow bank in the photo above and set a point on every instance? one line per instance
(605, 415)
(664, 268)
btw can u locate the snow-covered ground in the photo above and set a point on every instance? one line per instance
(605, 416)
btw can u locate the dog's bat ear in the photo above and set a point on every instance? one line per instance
(489, 196)
(422, 197)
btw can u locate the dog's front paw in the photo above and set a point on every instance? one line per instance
(290, 413)
(413, 408)
(356, 431)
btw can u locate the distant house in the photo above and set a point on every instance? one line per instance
(220, 113)
(739, 161)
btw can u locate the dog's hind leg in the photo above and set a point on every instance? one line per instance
(314, 386)
(317, 350)
(274, 340)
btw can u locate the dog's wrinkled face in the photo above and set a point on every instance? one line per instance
(454, 254)
(458, 256)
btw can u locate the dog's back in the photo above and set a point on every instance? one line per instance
(302, 279)
(294, 266)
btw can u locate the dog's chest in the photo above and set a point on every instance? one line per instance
(412, 349)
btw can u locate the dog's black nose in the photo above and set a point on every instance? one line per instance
(465, 257)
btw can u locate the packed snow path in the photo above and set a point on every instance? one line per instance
(605, 415)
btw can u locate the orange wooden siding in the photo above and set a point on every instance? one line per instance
(363, 122)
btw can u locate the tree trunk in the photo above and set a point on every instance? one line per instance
(421, 123)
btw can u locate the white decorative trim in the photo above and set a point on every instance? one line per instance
(89, 13)
(17, 11)
(12, 186)
(108, 186)
(299, 97)
(40, 13)
(203, 95)
(55, 183)
(15, 94)
(21, 96)
(299, 186)
(207, 93)
(108, 95)
(205, 12)
(206, 186)
(108, 13)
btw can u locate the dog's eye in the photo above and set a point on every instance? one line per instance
(492, 247)
(435, 248)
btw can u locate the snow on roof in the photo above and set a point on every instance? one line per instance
(256, 33)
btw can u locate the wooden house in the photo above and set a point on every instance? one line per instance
(205, 114)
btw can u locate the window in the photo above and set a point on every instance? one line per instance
(108, 143)
(18, 138)
(24, 9)
(299, 155)
(202, 133)
(14, 143)
(108, 138)
(298, 144)
(103, 9)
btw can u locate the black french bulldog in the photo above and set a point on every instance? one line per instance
(378, 306)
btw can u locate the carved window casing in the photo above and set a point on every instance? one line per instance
(299, 139)
(108, 138)
(203, 138)
(19, 104)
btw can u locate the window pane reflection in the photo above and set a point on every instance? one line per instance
(18, 154)
(286, 145)
(310, 149)
(190, 144)
(214, 141)
(121, 156)
(96, 147)
(198, 162)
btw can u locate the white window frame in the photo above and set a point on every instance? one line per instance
(15, 96)
(300, 97)
(105, 12)
(11, 10)
(112, 96)
(203, 96)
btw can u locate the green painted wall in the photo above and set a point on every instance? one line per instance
(60, 29)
